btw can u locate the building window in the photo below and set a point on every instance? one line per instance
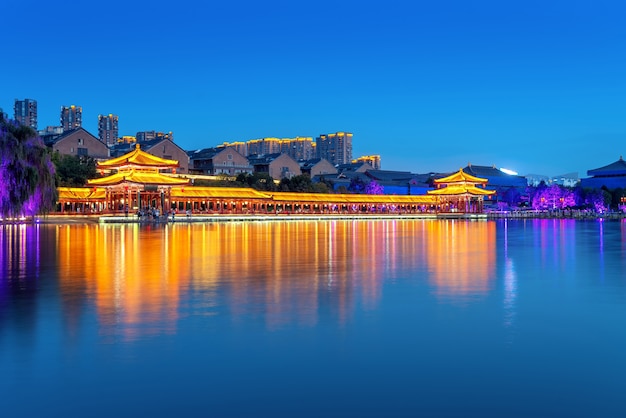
(82, 151)
(81, 141)
(230, 156)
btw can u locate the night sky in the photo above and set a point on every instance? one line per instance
(534, 86)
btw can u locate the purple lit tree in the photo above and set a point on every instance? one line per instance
(553, 197)
(27, 180)
(598, 200)
(374, 188)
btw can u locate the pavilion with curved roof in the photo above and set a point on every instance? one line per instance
(461, 192)
(136, 182)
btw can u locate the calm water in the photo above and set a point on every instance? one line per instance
(337, 318)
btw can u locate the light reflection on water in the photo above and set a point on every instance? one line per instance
(410, 302)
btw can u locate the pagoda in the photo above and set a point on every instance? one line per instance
(137, 182)
(460, 193)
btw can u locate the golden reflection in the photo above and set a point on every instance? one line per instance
(124, 270)
(461, 257)
(140, 277)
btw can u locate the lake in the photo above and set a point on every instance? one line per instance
(393, 317)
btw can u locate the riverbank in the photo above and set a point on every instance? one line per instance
(557, 214)
(286, 217)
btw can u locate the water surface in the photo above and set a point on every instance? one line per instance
(335, 318)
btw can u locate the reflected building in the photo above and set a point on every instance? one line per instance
(461, 257)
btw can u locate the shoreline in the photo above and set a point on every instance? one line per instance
(123, 219)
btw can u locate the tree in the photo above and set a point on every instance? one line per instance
(27, 173)
(73, 171)
(356, 185)
(512, 196)
(374, 188)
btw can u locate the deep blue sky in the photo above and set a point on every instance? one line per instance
(535, 86)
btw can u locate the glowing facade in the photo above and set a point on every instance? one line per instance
(137, 182)
(373, 160)
(460, 193)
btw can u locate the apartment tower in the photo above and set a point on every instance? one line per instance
(26, 112)
(107, 129)
(335, 148)
(71, 117)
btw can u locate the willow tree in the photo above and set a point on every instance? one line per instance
(27, 185)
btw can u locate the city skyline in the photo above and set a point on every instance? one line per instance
(537, 88)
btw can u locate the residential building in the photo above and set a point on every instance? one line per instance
(336, 148)
(373, 160)
(71, 117)
(50, 134)
(277, 165)
(298, 148)
(108, 128)
(264, 146)
(219, 160)
(240, 146)
(145, 136)
(316, 167)
(26, 112)
(82, 143)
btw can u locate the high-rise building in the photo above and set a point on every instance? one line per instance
(26, 112)
(298, 148)
(264, 146)
(71, 117)
(107, 129)
(336, 148)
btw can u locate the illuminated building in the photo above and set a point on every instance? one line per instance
(26, 112)
(107, 128)
(298, 148)
(138, 181)
(71, 117)
(145, 136)
(264, 146)
(458, 193)
(127, 139)
(373, 160)
(336, 148)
